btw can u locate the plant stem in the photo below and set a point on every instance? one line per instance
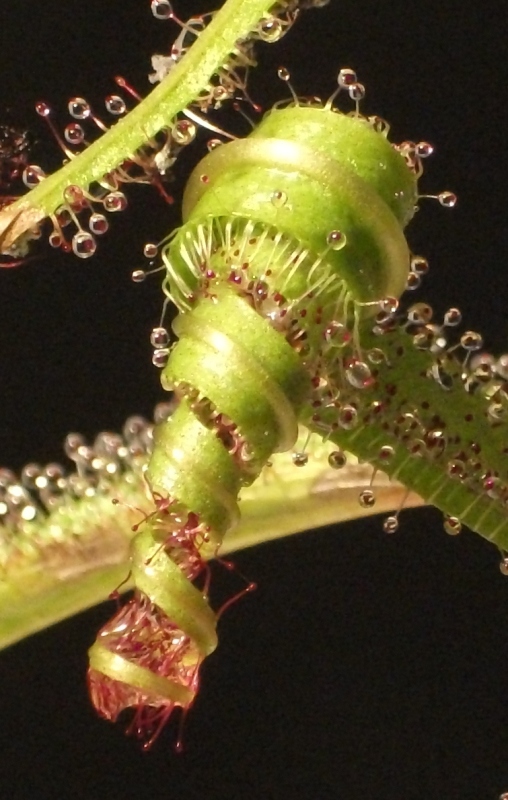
(47, 580)
(232, 23)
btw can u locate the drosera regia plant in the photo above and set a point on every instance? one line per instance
(322, 342)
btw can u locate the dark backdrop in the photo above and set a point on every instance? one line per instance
(365, 666)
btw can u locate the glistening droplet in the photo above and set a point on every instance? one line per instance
(347, 417)
(150, 250)
(78, 108)
(337, 459)
(159, 338)
(278, 199)
(115, 104)
(447, 199)
(359, 375)
(391, 524)
(452, 526)
(83, 244)
(161, 9)
(98, 224)
(160, 358)
(336, 240)
(270, 30)
(346, 78)
(74, 133)
(32, 175)
(115, 201)
(367, 498)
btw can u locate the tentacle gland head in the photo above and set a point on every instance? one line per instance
(285, 234)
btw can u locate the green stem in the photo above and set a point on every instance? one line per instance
(47, 579)
(232, 23)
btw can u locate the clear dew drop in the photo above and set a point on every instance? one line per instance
(452, 525)
(386, 453)
(359, 375)
(261, 290)
(356, 91)
(115, 201)
(420, 265)
(29, 475)
(456, 469)
(134, 429)
(115, 104)
(496, 412)
(161, 9)
(160, 358)
(452, 317)
(159, 338)
(74, 133)
(413, 281)
(42, 109)
(388, 306)
(270, 30)
(150, 250)
(138, 276)
(183, 132)
(284, 74)
(72, 443)
(54, 473)
(32, 176)
(471, 341)
(79, 108)
(278, 199)
(419, 314)
(367, 498)
(346, 77)
(424, 149)
(483, 365)
(83, 244)
(391, 524)
(491, 486)
(376, 356)
(98, 224)
(74, 196)
(447, 199)
(337, 459)
(336, 240)
(503, 567)
(335, 332)
(300, 459)
(347, 417)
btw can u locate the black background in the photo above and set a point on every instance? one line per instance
(365, 666)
